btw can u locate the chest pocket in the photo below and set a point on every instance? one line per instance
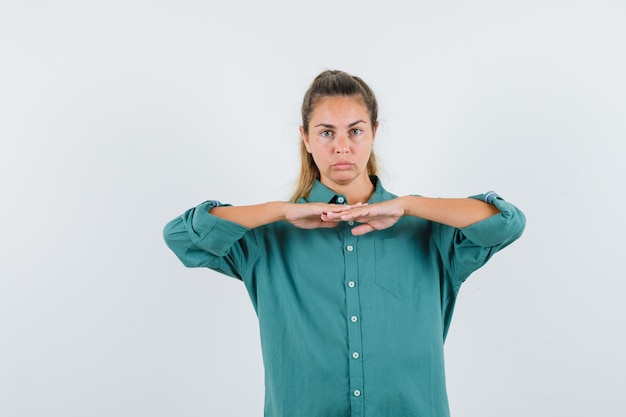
(399, 269)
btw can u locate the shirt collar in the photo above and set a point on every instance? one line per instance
(322, 194)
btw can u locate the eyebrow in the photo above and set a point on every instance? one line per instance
(332, 127)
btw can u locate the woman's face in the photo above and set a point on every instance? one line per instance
(340, 139)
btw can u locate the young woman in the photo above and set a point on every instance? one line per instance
(353, 286)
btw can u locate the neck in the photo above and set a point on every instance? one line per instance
(355, 192)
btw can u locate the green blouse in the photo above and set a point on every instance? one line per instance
(350, 326)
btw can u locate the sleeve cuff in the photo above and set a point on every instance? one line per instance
(500, 229)
(212, 233)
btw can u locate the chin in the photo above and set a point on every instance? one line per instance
(343, 179)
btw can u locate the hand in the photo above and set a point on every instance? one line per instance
(378, 216)
(313, 215)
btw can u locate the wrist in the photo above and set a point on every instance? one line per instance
(405, 203)
(281, 208)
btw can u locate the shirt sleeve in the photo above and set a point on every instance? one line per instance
(200, 239)
(499, 230)
(465, 250)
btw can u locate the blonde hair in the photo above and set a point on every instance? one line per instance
(327, 84)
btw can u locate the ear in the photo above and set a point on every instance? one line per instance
(305, 139)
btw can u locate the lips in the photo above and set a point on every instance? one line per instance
(342, 165)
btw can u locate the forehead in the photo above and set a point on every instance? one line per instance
(339, 108)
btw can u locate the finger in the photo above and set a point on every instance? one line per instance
(362, 229)
(332, 215)
(339, 208)
(356, 214)
(327, 218)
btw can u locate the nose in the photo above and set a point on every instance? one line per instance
(341, 144)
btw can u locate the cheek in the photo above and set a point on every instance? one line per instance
(320, 156)
(319, 147)
(366, 146)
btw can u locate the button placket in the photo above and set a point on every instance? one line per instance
(353, 310)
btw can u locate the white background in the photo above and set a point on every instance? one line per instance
(117, 116)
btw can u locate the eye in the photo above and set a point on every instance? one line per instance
(356, 132)
(326, 133)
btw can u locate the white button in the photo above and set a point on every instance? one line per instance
(351, 223)
(355, 355)
(349, 247)
(351, 284)
(354, 319)
(340, 200)
(357, 393)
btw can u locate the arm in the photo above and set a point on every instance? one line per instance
(458, 213)
(215, 236)
(454, 212)
(305, 216)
